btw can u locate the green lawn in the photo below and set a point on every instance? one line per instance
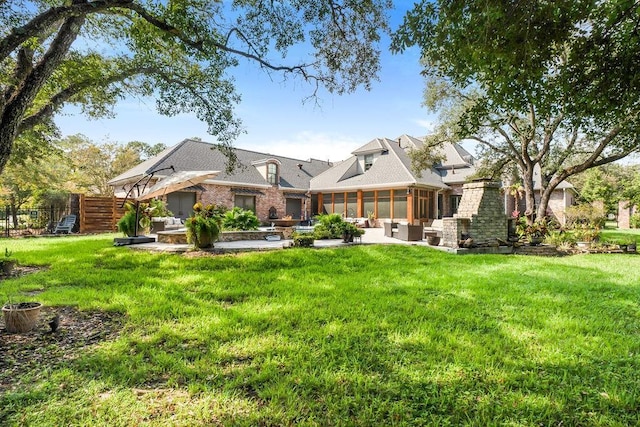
(364, 335)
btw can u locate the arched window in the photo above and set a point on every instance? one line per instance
(272, 173)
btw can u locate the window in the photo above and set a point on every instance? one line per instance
(272, 173)
(384, 204)
(352, 205)
(245, 202)
(400, 203)
(455, 202)
(368, 202)
(338, 203)
(368, 161)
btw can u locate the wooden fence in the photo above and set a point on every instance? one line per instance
(100, 214)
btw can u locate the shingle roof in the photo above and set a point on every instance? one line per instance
(198, 155)
(391, 168)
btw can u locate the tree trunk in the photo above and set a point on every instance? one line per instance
(529, 193)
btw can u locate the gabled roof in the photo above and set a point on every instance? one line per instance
(391, 168)
(373, 146)
(198, 155)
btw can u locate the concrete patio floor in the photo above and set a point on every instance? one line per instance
(371, 236)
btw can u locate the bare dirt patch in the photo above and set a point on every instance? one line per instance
(42, 349)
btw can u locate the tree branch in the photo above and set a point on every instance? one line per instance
(51, 17)
(57, 100)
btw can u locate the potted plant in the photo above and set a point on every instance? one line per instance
(535, 232)
(21, 317)
(203, 226)
(631, 246)
(585, 236)
(127, 224)
(349, 231)
(8, 262)
(371, 219)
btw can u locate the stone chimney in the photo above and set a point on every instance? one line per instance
(480, 215)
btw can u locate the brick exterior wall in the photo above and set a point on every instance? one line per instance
(273, 196)
(558, 203)
(480, 215)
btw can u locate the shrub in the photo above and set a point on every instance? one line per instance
(127, 224)
(303, 240)
(559, 238)
(330, 226)
(634, 221)
(585, 215)
(540, 228)
(586, 234)
(240, 219)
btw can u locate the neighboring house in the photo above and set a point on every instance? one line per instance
(378, 180)
(561, 198)
(272, 186)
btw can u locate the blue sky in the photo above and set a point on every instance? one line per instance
(275, 118)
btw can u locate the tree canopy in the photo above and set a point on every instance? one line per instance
(537, 84)
(94, 52)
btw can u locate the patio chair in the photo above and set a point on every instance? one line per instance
(389, 228)
(65, 225)
(409, 232)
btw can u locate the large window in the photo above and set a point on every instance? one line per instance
(352, 205)
(338, 203)
(272, 173)
(245, 202)
(400, 204)
(384, 204)
(368, 203)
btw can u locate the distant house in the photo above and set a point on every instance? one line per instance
(563, 196)
(270, 185)
(376, 180)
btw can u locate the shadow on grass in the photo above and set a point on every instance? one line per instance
(364, 335)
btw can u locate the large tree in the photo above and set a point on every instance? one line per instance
(538, 84)
(93, 52)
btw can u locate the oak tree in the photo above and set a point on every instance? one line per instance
(537, 84)
(95, 52)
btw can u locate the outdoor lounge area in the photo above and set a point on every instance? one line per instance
(412, 233)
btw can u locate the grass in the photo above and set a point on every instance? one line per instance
(365, 335)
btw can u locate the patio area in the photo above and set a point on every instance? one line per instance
(371, 236)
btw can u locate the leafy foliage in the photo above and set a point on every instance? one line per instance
(179, 52)
(240, 219)
(330, 226)
(542, 86)
(585, 215)
(303, 240)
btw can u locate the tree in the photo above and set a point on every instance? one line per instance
(94, 52)
(89, 166)
(537, 84)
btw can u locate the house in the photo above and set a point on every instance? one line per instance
(563, 196)
(272, 186)
(377, 180)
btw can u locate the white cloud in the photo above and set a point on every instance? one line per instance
(428, 124)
